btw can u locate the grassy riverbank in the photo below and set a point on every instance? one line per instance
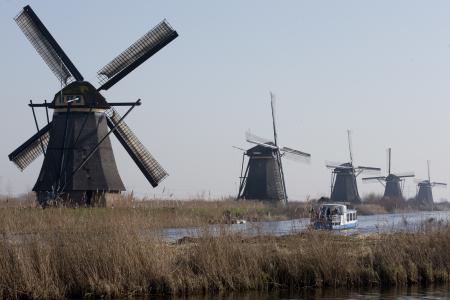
(161, 213)
(56, 253)
(186, 213)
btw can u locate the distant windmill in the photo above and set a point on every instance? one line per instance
(425, 194)
(393, 183)
(263, 179)
(343, 180)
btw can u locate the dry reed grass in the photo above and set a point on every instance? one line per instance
(62, 252)
(163, 213)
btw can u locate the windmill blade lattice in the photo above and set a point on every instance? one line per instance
(148, 165)
(47, 47)
(334, 165)
(31, 149)
(295, 155)
(405, 174)
(295, 152)
(439, 184)
(148, 45)
(371, 179)
(254, 139)
(240, 148)
(368, 169)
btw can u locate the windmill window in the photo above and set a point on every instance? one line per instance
(79, 99)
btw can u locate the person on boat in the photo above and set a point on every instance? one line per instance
(328, 213)
(313, 213)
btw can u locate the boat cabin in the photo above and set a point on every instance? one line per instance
(333, 216)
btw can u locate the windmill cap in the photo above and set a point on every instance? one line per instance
(424, 183)
(87, 95)
(259, 150)
(392, 177)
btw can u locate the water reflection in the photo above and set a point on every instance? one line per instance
(413, 292)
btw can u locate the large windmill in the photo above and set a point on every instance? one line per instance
(343, 178)
(79, 163)
(424, 196)
(263, 179)
(393, 183)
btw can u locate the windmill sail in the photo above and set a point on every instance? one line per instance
(295, 155)
(405, 174)
(374, 178)
(31, 149)
(47, 47)
(368, 168)
(254, 139)
(287, 150)
(338, 165)
(151, 169)
(148, 45)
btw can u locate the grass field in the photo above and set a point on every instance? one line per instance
(166, 213)
(188, 213)
(66, 252)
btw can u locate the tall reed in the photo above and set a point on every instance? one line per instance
(62, 252)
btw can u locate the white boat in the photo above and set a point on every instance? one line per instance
(333, 216)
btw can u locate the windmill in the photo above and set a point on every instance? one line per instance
(424, 196)
(79, 164)
(343, 178)
(393, 183)
(263, 179)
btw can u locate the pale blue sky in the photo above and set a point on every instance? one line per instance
(380, 68)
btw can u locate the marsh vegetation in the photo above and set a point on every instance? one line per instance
(66, 252)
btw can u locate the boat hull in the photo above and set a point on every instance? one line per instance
(329, 226)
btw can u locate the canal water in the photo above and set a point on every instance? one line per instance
(407, 293)
(382, 223)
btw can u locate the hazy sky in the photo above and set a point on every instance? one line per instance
(379, 68)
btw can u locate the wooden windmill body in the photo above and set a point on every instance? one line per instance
(79, 165)
(344, 187)
(393, 183)
(263, 178)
